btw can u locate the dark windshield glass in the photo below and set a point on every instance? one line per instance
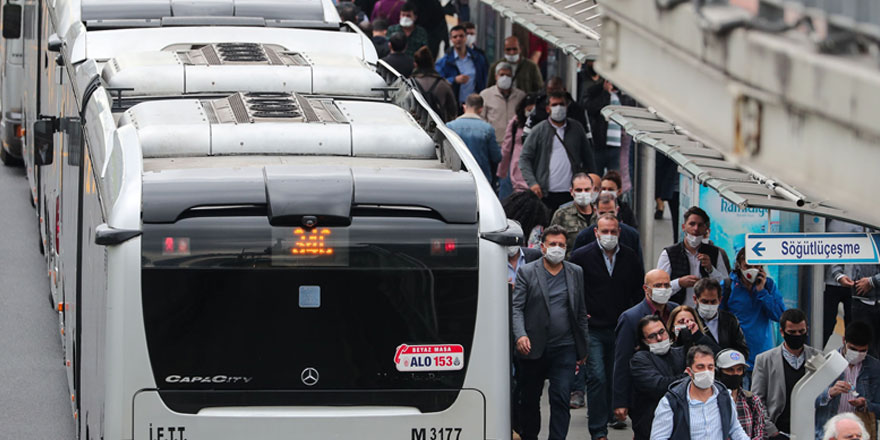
(229, 304)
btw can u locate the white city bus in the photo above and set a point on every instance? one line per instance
(11, 77)
(268, 265)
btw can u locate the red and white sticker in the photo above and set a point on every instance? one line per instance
(445, 357)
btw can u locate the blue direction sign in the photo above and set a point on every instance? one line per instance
(827, 248)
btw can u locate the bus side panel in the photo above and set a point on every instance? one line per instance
(90, 361)
(35, 30)
(67, 238)
(54, 91)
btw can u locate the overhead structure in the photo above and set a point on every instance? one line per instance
(791, 91)
(738, 184)
(571, 25)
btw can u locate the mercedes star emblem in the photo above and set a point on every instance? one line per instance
(309, 376)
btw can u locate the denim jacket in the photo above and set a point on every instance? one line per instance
(479, 136)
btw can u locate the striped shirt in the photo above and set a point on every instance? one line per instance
(612, 138)
(705, 419)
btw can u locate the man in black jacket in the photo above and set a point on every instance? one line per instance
(653, 368)
(612, 284)
(722, 326)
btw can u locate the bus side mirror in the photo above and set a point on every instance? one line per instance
(11, 21)
(44, 141)
(54, 43)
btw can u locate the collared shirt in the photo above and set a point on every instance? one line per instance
(512, 271)
(719, 272)
(467, 67)
(851, 376)
(560, 165)
(796, 361)
(609, 262)
(712, 325)
(664, 315)
(498, 109)
(750, 413)
(705, 419)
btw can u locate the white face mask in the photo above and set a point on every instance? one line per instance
(751, 274)
(596, 196)
(692, 240)
(661, 295)
(555, 254)
(704, 379)
(582, 198)
(707, 311)
(471, 39)
(608, 242)
(512, 58)
(678, 328)
(558, 113)
(512, 251)
(660, 348)
(504, 82)
(855, 357)
(705, 240)
(406, 22)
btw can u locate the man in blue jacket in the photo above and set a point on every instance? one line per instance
(858, 388)
(753, 298)
(464, 68)
(478, 135)
(697, 407)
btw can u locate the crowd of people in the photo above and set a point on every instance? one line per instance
(686, 350)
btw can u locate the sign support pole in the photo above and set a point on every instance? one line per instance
(814, 223)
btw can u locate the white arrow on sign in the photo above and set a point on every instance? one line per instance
(827, 248)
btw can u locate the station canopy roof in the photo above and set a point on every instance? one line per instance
(737, 184)
(571, 25)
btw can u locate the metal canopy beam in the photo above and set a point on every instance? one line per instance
(709, 167)
(570, 25)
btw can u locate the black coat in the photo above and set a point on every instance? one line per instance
(730, 334)
(651, 376)
(626, 339)
(607, 296)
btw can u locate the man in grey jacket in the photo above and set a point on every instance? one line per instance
(777, 371)
(550, 329)
(555, 150)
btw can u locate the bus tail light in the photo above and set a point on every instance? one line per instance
(175, 246)
(440, 246)
(19, 130)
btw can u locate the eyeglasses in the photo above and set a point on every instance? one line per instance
(656, 335)
(511, 49)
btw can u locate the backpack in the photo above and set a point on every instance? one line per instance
(429, 95)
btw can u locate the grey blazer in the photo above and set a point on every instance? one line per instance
(531, 307)
(768, 382)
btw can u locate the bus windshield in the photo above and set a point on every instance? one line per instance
(234, 304)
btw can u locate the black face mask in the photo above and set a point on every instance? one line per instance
(794, 342)
(732, 382)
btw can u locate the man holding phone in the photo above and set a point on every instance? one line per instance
(755, 301)
(858, 388)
